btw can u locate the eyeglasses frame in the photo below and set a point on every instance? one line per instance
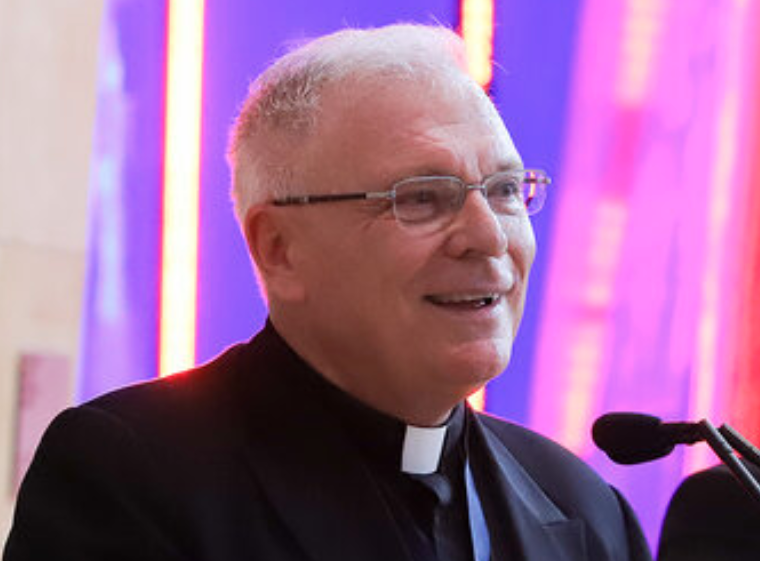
(534, 177)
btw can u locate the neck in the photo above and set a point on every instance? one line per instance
(418, 406)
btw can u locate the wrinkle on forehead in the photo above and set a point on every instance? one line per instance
(423, 126)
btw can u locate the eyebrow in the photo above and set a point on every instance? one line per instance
(510, 165)
(430, 171)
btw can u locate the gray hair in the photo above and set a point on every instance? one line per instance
(282, 107)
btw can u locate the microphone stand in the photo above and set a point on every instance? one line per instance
(722, 448)
(748, 450)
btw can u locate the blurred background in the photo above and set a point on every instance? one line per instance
(120, 260)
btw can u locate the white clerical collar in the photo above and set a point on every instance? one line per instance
(421, 452)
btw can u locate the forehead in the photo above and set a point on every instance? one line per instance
(387, 129)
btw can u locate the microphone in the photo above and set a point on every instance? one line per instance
(634, 438)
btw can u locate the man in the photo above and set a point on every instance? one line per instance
(386, 211)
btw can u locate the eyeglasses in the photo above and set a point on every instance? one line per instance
(418, 200)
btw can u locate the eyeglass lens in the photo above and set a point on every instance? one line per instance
(425, 199)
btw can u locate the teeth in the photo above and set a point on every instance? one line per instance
(475, 299)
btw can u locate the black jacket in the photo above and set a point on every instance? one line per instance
(236, 461)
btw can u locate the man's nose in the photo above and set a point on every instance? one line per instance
(477, 229)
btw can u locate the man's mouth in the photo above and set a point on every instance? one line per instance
(465, 301)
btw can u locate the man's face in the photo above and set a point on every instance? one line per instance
(402, 316)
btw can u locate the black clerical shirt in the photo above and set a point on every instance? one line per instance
(430, 510)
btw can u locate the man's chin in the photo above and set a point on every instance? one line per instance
(476, 364)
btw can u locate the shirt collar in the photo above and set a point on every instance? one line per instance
(392, 443)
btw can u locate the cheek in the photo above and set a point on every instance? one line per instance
(398, 259)
(325, 269)
(359, 273)
(522, 246)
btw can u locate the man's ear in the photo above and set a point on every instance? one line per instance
(271, 242)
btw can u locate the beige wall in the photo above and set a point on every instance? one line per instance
(48, 54)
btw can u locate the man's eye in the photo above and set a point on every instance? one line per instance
(505, 189)
(422, 196)
(426, 200)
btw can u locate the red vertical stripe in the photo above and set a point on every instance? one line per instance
(744, 400)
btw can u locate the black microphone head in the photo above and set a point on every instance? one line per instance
(631, 438)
